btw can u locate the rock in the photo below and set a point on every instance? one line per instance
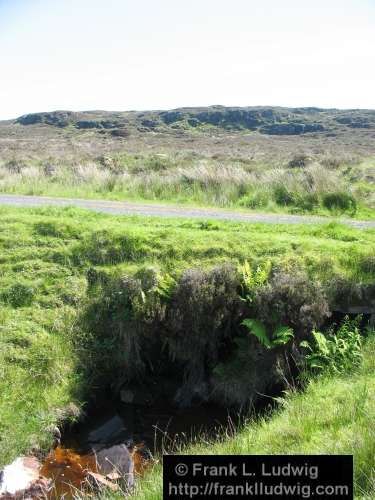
(21, 479)
(113, 430)
(149, 123)
(107, 124)
(56, 118)
(116, 459)
(39, 489)
(171, 116)
(86, 124)
(291, 128)
(355, 121)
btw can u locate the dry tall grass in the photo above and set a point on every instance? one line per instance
(219, 182)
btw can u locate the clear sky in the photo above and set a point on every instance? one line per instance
(159, 54)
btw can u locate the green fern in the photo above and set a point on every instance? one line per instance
(281, 336)
(336, 352)
(258, 329)
(251, 280)
(166, 286)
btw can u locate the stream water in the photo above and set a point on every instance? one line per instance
(145, 431)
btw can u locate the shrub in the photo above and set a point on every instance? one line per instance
(340, 201)
(292, 300)
(200, 317)
(336, 352)
(299, 161)
(306, 201)
(96, 278)
(112, 344)
(15, 166)
(282, 196)
(344, 293)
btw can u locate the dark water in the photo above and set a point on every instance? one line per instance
(164, 428)
(159, 428)
(145, 430)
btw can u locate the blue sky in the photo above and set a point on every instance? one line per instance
(159, 54)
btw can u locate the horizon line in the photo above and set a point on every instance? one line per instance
(155, 110)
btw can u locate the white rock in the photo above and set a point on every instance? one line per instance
(19, 475)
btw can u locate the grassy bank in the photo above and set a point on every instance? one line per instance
(335, 415)
(44, 260)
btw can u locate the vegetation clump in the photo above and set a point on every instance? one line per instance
(340, 201)
(197, 329)
(293, 300)
(201, 317)
(336, 351)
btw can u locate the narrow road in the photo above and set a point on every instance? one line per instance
(130, 208)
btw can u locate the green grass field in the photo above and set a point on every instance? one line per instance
(44, 257)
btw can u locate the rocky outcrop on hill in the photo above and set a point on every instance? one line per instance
(264, 119)
(56, 118)
(220, 116)
(107, 124)
(291, 128)
(356, 121)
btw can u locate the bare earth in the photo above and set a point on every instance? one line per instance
(130, 208)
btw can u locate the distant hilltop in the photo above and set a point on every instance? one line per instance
(264, 119)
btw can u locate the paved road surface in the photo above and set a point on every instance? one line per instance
(129, 208)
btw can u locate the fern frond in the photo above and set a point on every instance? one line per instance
(282, 335)
(258, 329)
